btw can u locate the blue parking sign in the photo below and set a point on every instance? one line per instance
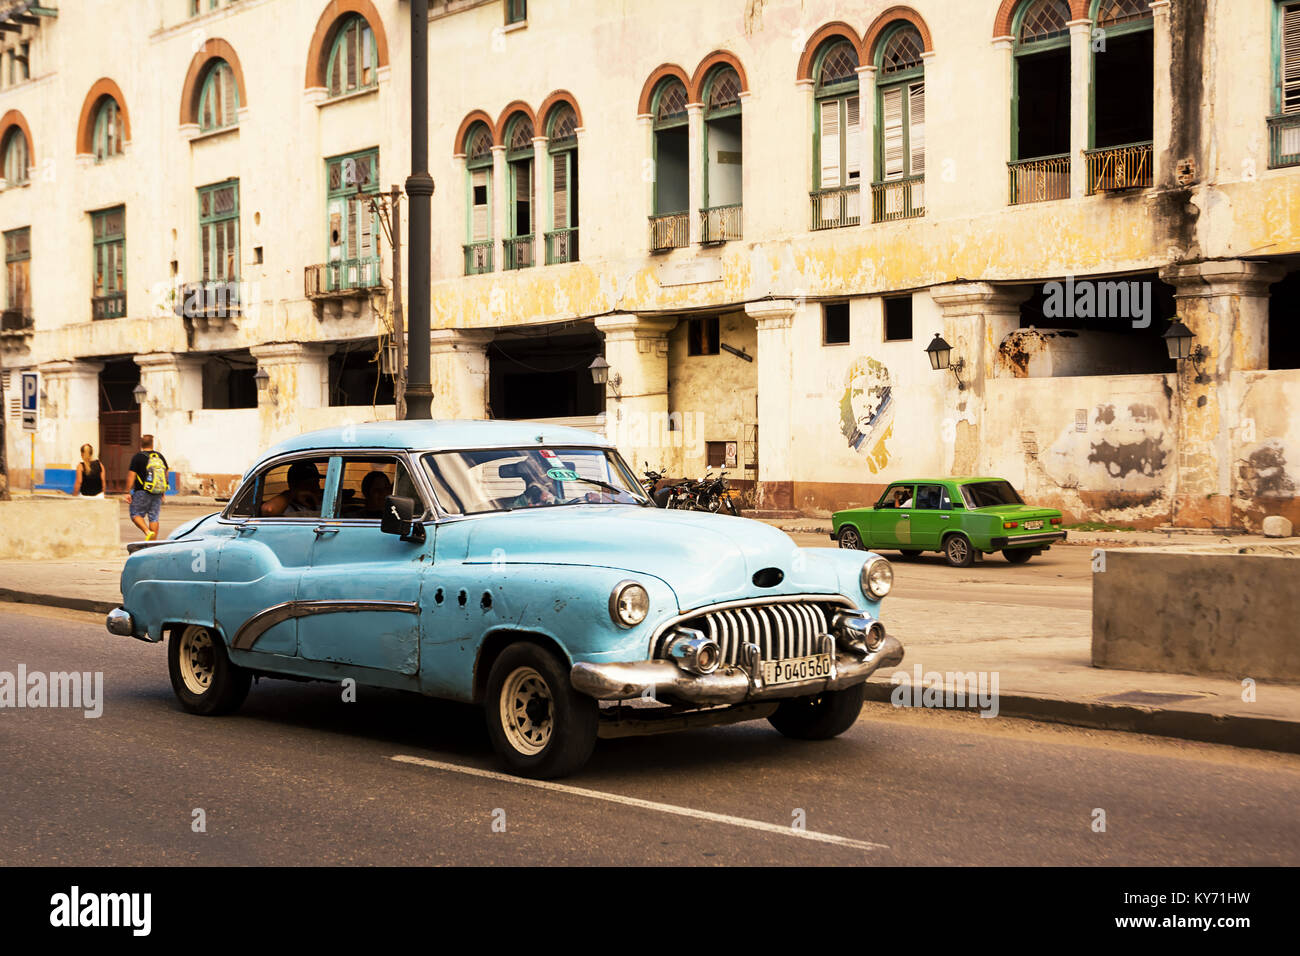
(30, 396)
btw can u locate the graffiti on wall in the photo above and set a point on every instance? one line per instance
(867, 411)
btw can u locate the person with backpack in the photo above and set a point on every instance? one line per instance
(146, 483)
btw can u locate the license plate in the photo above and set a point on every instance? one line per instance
(1033, 525)
(797, 669)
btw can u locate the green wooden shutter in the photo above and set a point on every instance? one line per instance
(916, 129)
(892, 133)
(1291, 58)
(560, 190)
(830, 144)
(852, 140)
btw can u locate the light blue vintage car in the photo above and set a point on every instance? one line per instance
(513, 565)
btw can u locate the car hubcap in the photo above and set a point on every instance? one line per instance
(851, 541)
(197, 659)
(957, 548)
(527, 715)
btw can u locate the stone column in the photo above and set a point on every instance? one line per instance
(774, 319)
(866, 141)
(977, 316)
(70, 416)
(173, 385)
(459, 372)
(1080, 108)
(299, 378)
(1162, 105)
(695, 167)
(1225, 305)
(500, 196)
(636, 397)
(542, 198)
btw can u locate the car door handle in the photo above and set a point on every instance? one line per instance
(325, 529)
(944, 517)
(245, 527)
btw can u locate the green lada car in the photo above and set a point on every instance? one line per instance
(958, 516)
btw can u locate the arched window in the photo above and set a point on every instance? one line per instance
(1284, 124)
(670, 227)
(900, 130)
(16, 159)
(1041, 97)
(1123, 95)
(562, 144)
(519, 181)
(837, 135)
(108, 129)
(219, 100)
(478, 185)
(723, 156)
(353, 59)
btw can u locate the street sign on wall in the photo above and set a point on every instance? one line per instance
(30, 395)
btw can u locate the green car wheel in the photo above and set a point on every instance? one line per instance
(958, 551)
(850, 540)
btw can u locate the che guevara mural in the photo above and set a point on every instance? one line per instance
(867, 411)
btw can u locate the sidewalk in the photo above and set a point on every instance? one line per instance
(1038, 645)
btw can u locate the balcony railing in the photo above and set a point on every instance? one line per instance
(478, 257)
(1119, 167)
(1040, 180)
(16, 320)
(561, 246)
(898, 199)
(832, 208)
(518, 252)
(342, 276)
(1284, 140)
(208, 299)
(112, 306)
(672, 231)
(720, 223)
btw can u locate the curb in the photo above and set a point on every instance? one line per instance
(57, 600)
(1257, 733)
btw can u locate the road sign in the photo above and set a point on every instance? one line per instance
(31, 397)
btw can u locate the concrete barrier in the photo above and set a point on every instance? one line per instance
(40, 528)
(1211, 611)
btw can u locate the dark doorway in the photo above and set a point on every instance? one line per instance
(1123, 91)
(119, 421)
(355, 377)
(1043, 111)
(1284, 323)
(544, 376)
(228, 380)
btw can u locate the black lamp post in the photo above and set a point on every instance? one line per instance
(419, 187)
(940, 354)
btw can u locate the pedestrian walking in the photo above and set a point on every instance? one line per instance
(90, 475)
(146, 483)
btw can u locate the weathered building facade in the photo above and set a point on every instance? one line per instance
(758, 212)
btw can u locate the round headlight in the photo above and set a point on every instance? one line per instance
(877, 577)
(628, 604)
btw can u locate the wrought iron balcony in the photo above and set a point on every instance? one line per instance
(832, 208)
(898, 199)
(1119, 167)
(720, 223)
(561, 246)
(671, 231)
(1040, 180)
(342, 277)
(208, 300)
(111, 306)
(478, 257)
(517, 251)
(16, 320)
(1284, 140)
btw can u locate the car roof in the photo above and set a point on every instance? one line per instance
(438, 435)
(940, 481)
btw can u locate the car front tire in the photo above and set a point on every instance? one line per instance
(540, 726)
(849, 539)
(821, 716)
(958, 551)
(204, 680)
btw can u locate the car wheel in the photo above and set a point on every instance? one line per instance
(540, 726)
(958, 551)
(849, 539)
(202, 676)
(821, 716)
(1017, 555)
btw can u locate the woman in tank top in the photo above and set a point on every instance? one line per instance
(90, 475)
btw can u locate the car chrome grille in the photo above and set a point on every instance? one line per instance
(780, 630)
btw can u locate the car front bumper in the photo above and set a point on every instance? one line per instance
(732, 684)
(120, 622)
(1046, 539)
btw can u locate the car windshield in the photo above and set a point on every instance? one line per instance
(506, 479)
(985, 494)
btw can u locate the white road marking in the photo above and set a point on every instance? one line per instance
(645, 804)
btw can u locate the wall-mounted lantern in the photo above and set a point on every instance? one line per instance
(601, 374)
(940, 354)
(139, 393)
(1178, 338)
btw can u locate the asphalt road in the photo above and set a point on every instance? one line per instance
(299, 777)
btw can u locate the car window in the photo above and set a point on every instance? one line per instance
(985, 494)
(896, 496)
(364, 483)
(929, 497)
(288, 489)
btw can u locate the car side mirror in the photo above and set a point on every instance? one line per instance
(399, 519)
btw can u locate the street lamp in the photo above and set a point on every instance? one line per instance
(263, 379)
(1178, 338)
(139, 393)
(600, 374)
(940, 354)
